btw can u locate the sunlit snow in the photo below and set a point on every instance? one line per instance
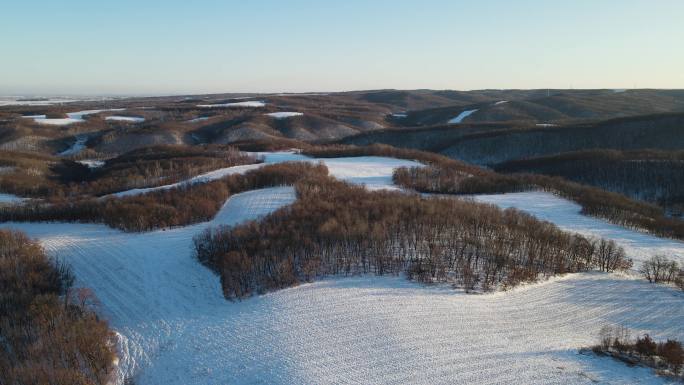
(72, 117)
(284, 115)
(462, 116)
(235, 104)
(131, 119)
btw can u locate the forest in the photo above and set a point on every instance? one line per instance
(449, 176)
(48, 329)
(182, 205)
(57, 179)
(649, 175)
(338, 229)
(615, 208)
(659, 131)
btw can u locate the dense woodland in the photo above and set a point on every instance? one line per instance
(613, 207)
(55, 179)
(338, 229)
(663, 131)
(448, 176)
(182, 205)
(648, 175)
(48, 332)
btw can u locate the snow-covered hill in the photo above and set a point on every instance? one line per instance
(176, 328)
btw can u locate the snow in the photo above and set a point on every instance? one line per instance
(174, 326)
(235, 104)
(72, 117)
(92, 163)
(371, 171)
(566, 215)
(20, 102)
(133, 119)
(77, 147)
(399, 115)
(10, 199)
(545, 125)
(500, 102)
(284, 115)
(462, 116)
(200, 119)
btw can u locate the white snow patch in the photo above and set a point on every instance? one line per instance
(10, 199)
(92, 163)
(234, 104)
(284, 115)
(566, 215)
(199, 119)
(545, 125)
(399, 115)
(72, 117)
(371, 171)
(500, 102)
(462, 116)
(132, 119)
(41, 102)
(77, 147)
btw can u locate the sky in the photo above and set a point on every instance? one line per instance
(128, 47)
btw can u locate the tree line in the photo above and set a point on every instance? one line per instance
(338, 229)
(648, 175)
(617, 341)
(615, 208)
(660, 269)
(182, 205)
(449, 176)
(56, 179)
(48, 332)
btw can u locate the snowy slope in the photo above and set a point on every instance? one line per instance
(72, 117)
(284, 114)
(461, 116)
(252, 104)
(175, 328)
(10, 199)
(151, 289)
(372, 171)
(566, 215)
(78, 146)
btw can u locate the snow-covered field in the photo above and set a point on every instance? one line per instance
(372, 171)
(92, 163)
(284, 114)
(176, 328)
(566, 215)
(15, 101)
(461, 116)
(132, 119)
(253, 104)
(200, 119)
(10, 199)
(72, 117)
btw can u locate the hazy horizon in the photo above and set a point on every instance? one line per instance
(182, 48)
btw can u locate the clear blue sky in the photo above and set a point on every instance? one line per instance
(134, 47)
